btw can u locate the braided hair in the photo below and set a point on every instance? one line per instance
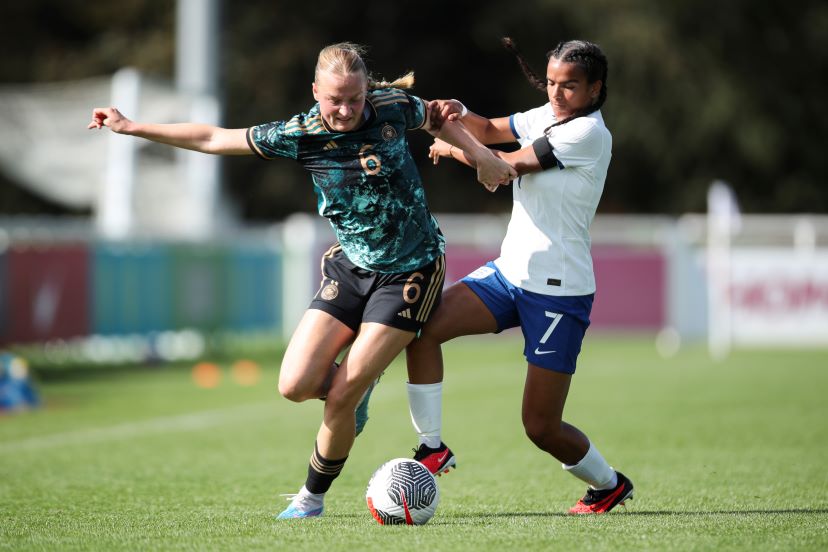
(345, 58)
(586, 55)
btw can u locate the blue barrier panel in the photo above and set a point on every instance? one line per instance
(138, 288)
(199, 286)
(131, 289)
(254, 288)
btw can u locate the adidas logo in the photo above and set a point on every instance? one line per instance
(405, 313)
(329, 146)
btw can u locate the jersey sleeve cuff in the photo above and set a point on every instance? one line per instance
(425, 112)
(252, 144)
(512, 126)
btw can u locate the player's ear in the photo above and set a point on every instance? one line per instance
(315, 91)
(595, 90)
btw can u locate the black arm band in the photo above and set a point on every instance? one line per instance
(543, 150)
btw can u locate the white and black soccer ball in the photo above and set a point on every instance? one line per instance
(402, 492)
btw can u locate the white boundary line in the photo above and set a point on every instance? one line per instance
(166, 424)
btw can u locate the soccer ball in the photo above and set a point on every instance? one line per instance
(402, 491)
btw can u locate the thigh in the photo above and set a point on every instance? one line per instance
(314, 346)
(373, 349)
(461, 312)
(496, 293)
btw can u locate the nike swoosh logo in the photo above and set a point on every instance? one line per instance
(408, 519)
(539, 352)
(443, 457)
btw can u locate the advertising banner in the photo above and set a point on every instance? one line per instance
(779, 296)
(631, 283)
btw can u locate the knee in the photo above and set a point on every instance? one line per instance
(292, 388)
(300, 381)
(427, 339)
(291, 391)
(543, 433)
(535, 433)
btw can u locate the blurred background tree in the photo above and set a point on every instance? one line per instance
(698, 90)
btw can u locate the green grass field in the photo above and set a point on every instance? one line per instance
(724, 456)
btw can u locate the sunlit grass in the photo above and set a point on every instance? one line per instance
(723, 456)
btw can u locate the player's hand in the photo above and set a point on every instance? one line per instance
(109, 117)
(493, 172)
(435, 120)
(449, 110)
(439, 149)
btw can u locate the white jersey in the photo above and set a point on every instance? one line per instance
(547, 245)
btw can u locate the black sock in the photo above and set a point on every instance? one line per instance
(322, 472)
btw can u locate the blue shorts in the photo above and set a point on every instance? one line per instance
(553, 326)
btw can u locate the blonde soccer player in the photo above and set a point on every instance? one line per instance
(383, 278)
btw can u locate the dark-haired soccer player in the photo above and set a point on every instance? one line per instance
(543, 280)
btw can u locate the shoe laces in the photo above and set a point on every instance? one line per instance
(303, 502)
(593, 496)
(422, 451)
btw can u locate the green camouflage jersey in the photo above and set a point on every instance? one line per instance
(366, 182)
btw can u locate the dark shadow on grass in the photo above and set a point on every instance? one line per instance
(809, 511)
(480, 516)
(814, 511)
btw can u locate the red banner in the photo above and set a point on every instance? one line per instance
(47, 290)
(631, 284)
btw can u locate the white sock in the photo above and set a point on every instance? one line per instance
(594, 470)
(425, 403)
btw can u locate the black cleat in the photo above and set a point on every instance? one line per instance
(438, 460)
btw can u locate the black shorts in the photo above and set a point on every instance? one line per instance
(401, 300)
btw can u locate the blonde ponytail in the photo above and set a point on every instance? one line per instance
(404, 82)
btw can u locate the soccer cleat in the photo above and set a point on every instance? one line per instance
(301, 506)
(438, 460)
(361, 411)
(600, 502)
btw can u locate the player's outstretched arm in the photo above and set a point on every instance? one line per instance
(523, 161)
(191, 136)
(491, 170)
(487, 131)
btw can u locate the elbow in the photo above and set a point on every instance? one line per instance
(210, 147)
(522, 169)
